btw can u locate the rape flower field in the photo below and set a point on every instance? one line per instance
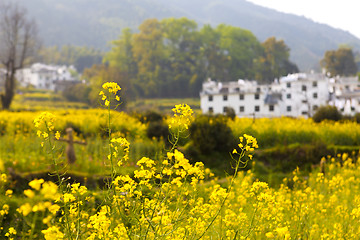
(153, 192)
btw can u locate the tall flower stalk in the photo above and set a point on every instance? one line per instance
(44, 124)
(247, 145)
(111, 99)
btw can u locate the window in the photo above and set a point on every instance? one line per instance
(304, 101)
(225, 109)
(315, 107)
(241, 96)
(237, 89)
(211, 110)
(225, 97)
(303, 88)
(288, 108)
(315, 95)
(242, 109)
(288, 85)
(304, 113)
(210, 98)
(315, 84)
(257, 108)
(271, 108)
(288, 96)
(257, 96)
(352, 109)
(258, 89)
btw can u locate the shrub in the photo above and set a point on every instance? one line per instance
(77, 93)
(357, 117)
(158, 130)
(211, 134)
(230, 113)
(150, 116)
(327, 112)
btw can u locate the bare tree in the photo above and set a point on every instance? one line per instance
(18, 40)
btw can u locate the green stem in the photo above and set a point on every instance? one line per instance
(67, 224)
(33, 225)
(251, 224)
(52, 148)
(78, 221)
(113, 173)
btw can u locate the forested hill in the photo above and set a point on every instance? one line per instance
(95, 23)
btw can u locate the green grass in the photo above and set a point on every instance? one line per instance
(162, 105)
(37, 100)
(31, 100)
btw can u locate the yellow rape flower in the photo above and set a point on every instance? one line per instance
(11, 232)
(57, 135)
(49, 190)
(45, 120)
(125, 147)
(36, 184)
(24, 209)
(29, 193)
(282, 231)
(4, 210)
(3, 178)
(269, 235)
(112, 87)
(146, 162)
(54, 208)
(9, 192)
(53, 233)
(182, 116)
(68, 197)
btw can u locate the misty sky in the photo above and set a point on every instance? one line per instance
(344, 14)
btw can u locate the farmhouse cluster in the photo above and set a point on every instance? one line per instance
(294, 95)
(49, 77)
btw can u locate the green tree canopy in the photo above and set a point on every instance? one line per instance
(274, 62)
(339, 62)
(172, 57)
(241, 48)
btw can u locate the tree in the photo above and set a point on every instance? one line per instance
(214, 59)
(274, 61)
(241, 48)
(18, 40)
(149, 52)
(121, 57)
(183, 73)
(327, 112)
(340, 62)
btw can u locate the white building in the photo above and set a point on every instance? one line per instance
(43, 76)
(303, 94)
(293, 95)
(345, 94)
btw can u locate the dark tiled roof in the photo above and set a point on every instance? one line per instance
(272, 98)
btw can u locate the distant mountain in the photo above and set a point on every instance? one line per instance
(97, 22)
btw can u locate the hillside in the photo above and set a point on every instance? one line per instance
(95, 23)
